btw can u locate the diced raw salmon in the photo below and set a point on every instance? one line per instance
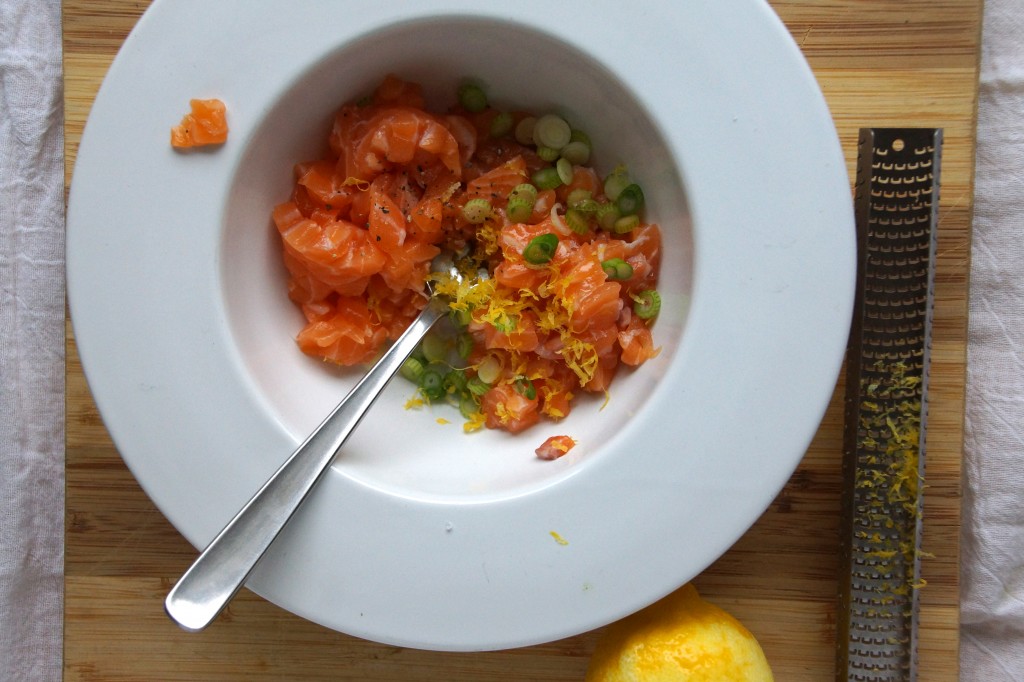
(364, 222)
(506, 408)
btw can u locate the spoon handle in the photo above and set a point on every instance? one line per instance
(223, 567)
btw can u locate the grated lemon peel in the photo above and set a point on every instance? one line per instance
(893, 473)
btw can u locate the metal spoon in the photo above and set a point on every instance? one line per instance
(223, 567)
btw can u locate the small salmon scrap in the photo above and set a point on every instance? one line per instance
(555, 447)
(205, 125)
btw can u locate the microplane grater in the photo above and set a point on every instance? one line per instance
(896, 202)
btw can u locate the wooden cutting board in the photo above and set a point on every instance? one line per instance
(879, 63)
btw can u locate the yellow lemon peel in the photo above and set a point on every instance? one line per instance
(681, 638)
(360, 184)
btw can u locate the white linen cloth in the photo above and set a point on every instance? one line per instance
(992, 562)
(32, 368)
(31, 341)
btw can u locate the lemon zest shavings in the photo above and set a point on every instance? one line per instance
(361, 185)
(487, 235)
(474, 423)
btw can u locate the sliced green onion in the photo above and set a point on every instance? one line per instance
(615, 183)
(588, 206)
(548, 154)
(546, 178)
(630, 200)
(488, 370)
(541, 249)
(460, 317)
(524, 130)
(476, 210)
(606, 215)
(432, 384)
(412, 369)
(579, 136)
(577, 152)
(455, 381)
(616, 268)
(519, 210)
(464, 344)
(646, 304)
(520, 202)
(472, 98)
(435, 348)
(565, 171)
(626, 223)
(577, 221)
(524, 191)
(477, 386)
(577, 196)
(525, 387)
(501, 125)
(468, 406)
(552, 131)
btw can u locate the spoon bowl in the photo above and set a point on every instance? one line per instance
(222, 568)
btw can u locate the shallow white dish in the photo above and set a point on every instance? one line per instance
(421, 536)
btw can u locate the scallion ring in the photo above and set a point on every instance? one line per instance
(455, 381)
(626, 223)
(435, 347)
(576, 152)
(606, 215)
(476, 210)
(565, 170)
(579, 136)
(647, 304)
(524, 130)
(520, 202)
(468, 406)
(524, 191)
(630, 199)
(546, 178)
(412, 369)
(488, 370)
(501, 125)
(615, 183)
(577, 221)
(548, 154)
(552, 131)
(477, 386)
(519, 210)
(432, 384)
(617, 269)
(472, 98)
(541, 249)
(577, 196)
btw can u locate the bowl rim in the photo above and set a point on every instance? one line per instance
(463, 586)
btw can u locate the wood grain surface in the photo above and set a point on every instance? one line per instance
(879, 63)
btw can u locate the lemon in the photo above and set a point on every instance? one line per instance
(681, 638)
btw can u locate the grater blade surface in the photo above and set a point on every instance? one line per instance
(896, 202)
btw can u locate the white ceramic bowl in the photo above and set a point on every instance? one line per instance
(508, 57)
(420, 535)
